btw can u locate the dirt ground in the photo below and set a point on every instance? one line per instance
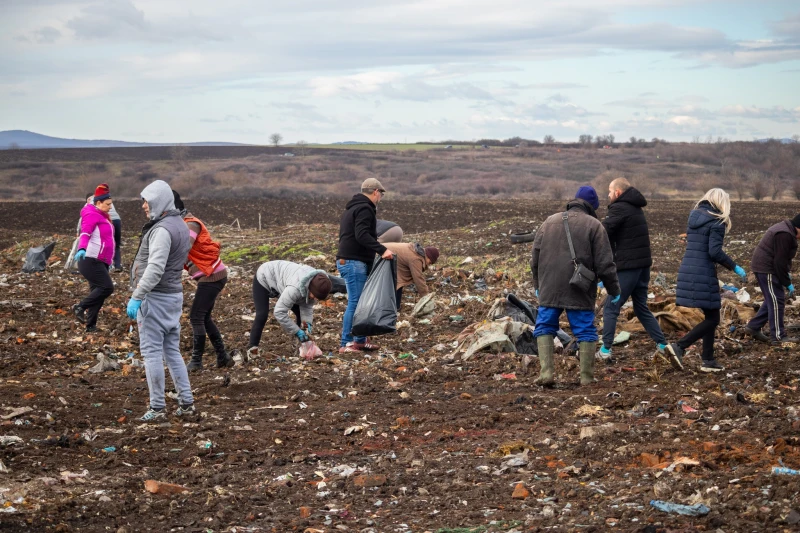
(403, 440)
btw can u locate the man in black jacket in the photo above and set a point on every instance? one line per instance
(358, 244)
(627, 230)
(772, 265)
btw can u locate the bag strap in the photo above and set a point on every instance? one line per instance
(565, 218)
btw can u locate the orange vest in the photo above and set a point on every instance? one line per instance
(205, 252)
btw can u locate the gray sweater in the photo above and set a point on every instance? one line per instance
(288, 282)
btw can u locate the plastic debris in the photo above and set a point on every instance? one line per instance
(104, 363)
(110, 449)
(9, 440)
(425, 306)
(622, 337)
(697, 509)
(743, 296)
(309, 350)
(783, 471)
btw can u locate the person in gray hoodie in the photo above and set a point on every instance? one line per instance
(157, 299)
(296, 287)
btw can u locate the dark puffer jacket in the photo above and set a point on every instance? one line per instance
(698, 285)
(551, 261)
(358, 238)
(627, 231)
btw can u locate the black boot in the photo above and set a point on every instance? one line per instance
(224, 360)
(198, 347)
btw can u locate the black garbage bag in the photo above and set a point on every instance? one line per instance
(376, 313)
(36, 258)
(338, 284)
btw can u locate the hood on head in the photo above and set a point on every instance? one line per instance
(633, 196)
(158, 196)
(702, 215)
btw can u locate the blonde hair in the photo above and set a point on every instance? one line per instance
(721, 201)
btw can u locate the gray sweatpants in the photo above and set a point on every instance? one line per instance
(159, 322)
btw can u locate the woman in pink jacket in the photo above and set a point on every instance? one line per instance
(94, 256)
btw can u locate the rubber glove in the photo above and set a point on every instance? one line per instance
(615, 299)
(600, 285)
(308, 329)
(80, 255)
(537, 293)
(133, 308)
(302, 335)
(740, 272)
(790, 288)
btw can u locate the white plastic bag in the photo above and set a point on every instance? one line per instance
(309, 350)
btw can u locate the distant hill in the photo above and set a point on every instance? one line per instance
(29, 139)
(785, 140)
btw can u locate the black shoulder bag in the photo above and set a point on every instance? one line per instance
(582, 278)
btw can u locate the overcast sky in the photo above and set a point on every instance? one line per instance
(395, 71)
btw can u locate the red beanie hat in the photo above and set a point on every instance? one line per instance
(101, 193)
(432, 253)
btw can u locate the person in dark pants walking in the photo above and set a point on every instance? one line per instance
(296, 288)
(698, 286)
(117, 221)
(628, 233)
(772, 265)
(209, 272)
(94, 255)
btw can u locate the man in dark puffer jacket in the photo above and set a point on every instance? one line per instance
(627, 231)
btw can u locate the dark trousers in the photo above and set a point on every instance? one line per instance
(200, 315)
(634, 284)
(96, 273)
(398, 297)
(261, 301)
(704, 330)
(117, 243)
(772, 310)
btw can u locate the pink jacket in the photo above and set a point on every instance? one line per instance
(97, 234)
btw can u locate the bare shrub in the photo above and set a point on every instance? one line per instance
(558, 189)
(776, 186)
(179, 154)
(758, 185)
(796, 188)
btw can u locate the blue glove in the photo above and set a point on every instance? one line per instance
(302, 335)
(615, 299)
(790, 288)
(740, 272)
(600, 285)
(133, 308)
(80, 255)
(308, 329)
(537, 293)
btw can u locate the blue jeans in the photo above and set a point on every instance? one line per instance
(634, 284)
(355, 277)
(581, 322)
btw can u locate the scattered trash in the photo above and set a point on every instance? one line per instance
(622, 337)
(110, 449)
(697, 509)
(497, 336)
(425, 306)
(467, 261)
(309, 350)
(480, 285)
(9, 440)
(743, 296)
(166, 489)
(17, 412)
(104, 363)
(456, 318)
(783, 471)
(36, 258)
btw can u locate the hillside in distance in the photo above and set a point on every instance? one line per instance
(23, 139)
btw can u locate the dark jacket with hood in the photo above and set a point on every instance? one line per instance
(698, 285)
(551, 263)
(627, 231)
(358, 239)
(775, 252)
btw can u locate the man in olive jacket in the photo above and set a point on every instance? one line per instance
(552, 267)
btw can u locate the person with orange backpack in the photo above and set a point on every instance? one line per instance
(206, 268)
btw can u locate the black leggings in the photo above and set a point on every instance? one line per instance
(96, 273)
(200, 315)
(261, 300)
(704, 330)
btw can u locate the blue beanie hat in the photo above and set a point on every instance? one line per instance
(589, 195)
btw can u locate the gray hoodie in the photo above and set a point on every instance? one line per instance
(164, 245)
(288, 282)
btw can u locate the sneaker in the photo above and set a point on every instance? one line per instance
(80, 313)
(675, 355)
(366, 346)
(186, 410)
(756, 334)
(349, 348)
(253, 352)
(155, 415)
(711, 366)
(92, 329)
(604, 354)
(784, 340)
